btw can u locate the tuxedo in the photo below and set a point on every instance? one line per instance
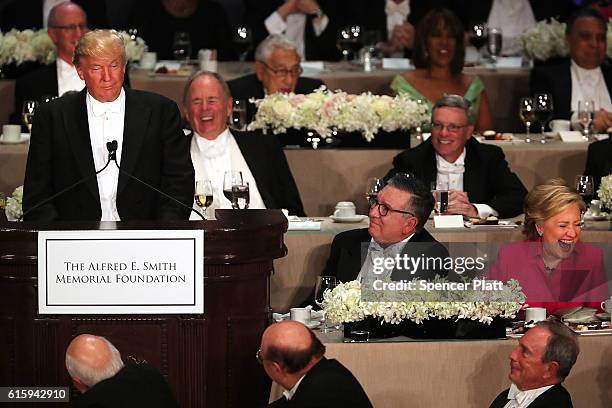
(22, 15)
(135, 385)
(478, 10)
(327, 384)
(599, 161)
(249, 86)
(554, 397)
(345, 256)
(556, 79)
(487, 178)
(154, 149)
(268, 164)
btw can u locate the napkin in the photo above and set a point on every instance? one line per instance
(298, 224)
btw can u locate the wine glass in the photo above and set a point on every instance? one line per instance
(543, 111)
(239, 114)
(181, 46)
(240, 196)
(373, 186)
(243, 41)
(232, 179)
(324, 283)
(527, 114)
(348, 41)
(494, 44)
(203, 195)
(586, 113)
(27, 113)
(133, 33)
(584, 187)
(478, 36)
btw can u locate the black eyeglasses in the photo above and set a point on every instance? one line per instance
(383, 209)
(297, 71)
(451, 127)
(71, 27)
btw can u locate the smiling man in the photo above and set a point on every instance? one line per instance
(476, 174)
(538, 365)
(69, 145)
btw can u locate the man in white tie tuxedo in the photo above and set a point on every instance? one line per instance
(476, 175)
(538, 365)
(215, 149)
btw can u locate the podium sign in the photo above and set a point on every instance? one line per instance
(121, 272)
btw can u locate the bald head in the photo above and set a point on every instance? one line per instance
(91, 359)
(67, 23)
(289, 335)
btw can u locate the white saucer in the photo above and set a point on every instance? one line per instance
(353, 218)
(313, 324)
(24, 138)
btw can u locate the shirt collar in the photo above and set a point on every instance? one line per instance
(457, 167)
(213, 148)
(585, 73)
(523, 396)
(290, 393)
(64, 69)
(100, 108)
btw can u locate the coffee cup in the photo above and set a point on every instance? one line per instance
(300, 314)
(535, 314)
(607, 305)
(208, 60)
(595, 208)
(559, 125)
(344, 209)
(11, 133)
(148, 60)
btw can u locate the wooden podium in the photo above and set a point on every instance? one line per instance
(208, 360)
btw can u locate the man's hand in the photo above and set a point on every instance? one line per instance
(459, 203)
(289, 7)
(402, 36)
(308, 6)
(602, 120)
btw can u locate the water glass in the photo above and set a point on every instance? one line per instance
(527, 114)
(324, 283)
(586, 114)
(181, 47)
(239, 115)
(494, 44)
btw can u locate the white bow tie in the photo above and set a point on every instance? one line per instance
(212, 149)
(448, 168)
(101, 108)
(402, 8)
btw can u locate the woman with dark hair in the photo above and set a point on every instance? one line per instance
(438, 56)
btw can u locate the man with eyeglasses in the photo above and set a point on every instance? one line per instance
(293, 357)
(277, 69)
(397, 227)
(477, 176)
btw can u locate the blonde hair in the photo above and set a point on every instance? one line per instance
(99, 43)
(546, 200)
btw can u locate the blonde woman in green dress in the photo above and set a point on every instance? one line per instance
(438, 56)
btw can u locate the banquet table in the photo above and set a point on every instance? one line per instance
(462, 374)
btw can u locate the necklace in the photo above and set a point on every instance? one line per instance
(549, 269)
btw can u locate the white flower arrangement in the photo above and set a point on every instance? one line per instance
(28, 45)
(605, 191)
(547, 39)
(344, 304)
(325, 111)
(13, 209)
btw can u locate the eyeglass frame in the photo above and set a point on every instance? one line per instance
(372, 201)
(72, 27)
(284, 72)
(258, 357)
(451, 127)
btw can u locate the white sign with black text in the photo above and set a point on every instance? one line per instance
(121, 272)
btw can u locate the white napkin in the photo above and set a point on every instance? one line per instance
(297, 224)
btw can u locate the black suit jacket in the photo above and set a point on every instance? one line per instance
(154, 149)
(599, 161)
(345, 256)
(478, 10)
(136, 385)
(22, 15)
(487, 178)
(555, 397)
(556, 79)
(269, 166)
(327, 384)
(249, 86)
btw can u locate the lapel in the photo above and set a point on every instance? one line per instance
(471, 175)
(429, 165)
(565, 91)
(77, 127)
(606, 70)
(250, 149)
(136, 123)
(50, 80)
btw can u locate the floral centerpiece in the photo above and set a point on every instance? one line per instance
(605, 191)
(325, 111)
(13, 209)
(546, 40)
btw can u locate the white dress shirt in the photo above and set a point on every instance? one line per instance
(589, 85)
(366, 275)
(106, 120)
(397, 14)
(47, 6)
(522, 399)
(514, 17)
(450, 177)
(290, 393)
(294, 27)
(68, 78)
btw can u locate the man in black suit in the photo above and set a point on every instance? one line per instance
(216, 150)
(538, 365)
(71, 135)
(586, 75)
(476, 174)
(397, 219)
(98, 373)
(277, 69)
(599, 161)
(293, 357)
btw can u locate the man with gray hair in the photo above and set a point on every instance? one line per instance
(97, 372)
(477, 176)
(538, 365)
(277, 69)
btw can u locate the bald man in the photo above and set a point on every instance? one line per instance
(98, 372)
(293, 357)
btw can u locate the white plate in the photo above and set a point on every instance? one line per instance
(313, 324)
(353, 218)
(24, 138)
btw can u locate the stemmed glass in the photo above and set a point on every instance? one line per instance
(479, 36)
(373, 186)
(586, 113)
(239, 114)
(243, 41)
(494, 44)
(203, 195)
(543, 111)
(527, 114)
(324, 283)
(584, 187)
(27, 113)
(349, 41)
(181, 47)
(235, 190)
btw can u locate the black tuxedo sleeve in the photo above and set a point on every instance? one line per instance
(545, 79)
(509, 192)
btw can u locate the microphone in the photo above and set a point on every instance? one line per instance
(112, 156)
